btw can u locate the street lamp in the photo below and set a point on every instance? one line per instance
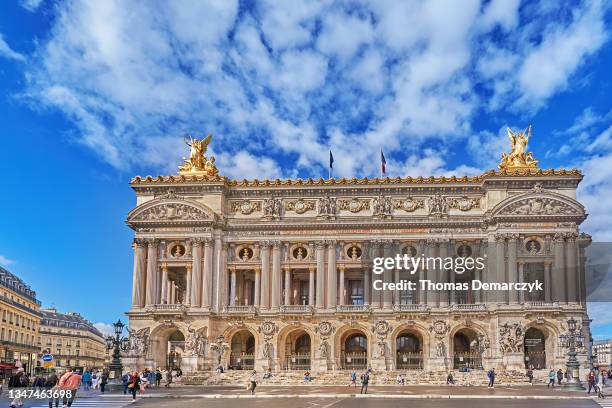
(117, 343)
(571, 340)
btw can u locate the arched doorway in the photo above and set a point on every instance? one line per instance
(535, 349)
(242, 356)
(467, 349)
(298, 350)
(176, 346)
(354, 355)
(408, 351)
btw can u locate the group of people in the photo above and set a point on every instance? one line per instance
(134, 382)
(364, 379)
(69, 381)
(596, 381)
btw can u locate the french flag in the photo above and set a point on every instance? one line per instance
(383, 163)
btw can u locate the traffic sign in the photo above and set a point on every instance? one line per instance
(47, 358)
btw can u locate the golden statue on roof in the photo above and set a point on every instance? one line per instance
(518, 158)
(197, 162)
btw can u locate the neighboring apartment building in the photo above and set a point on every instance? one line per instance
(72, 340)
(19, 337)
(602, 352)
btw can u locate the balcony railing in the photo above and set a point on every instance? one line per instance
(240, 309)
(541, 305)
(354, 308)
(410, 308)
(296, 309)
(469, 306)
(167, 308)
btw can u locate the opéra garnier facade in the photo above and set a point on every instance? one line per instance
(278, 273)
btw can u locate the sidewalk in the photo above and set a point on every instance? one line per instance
(388, 391)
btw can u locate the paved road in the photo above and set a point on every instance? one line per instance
(360, 403)
(89, 401)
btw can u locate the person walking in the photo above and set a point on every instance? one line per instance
(491, 376)
(601, 383)
(530, 376)
(51, 384)
(125, 380)
(365, 380)
(449, 379)
(95, 379)
(591, 381)
(134, 384)
(86, 380)
(18, 380)
(70, 382)
(353, 380)
(253, 381)
(103, 381)
(158, 377)
(559, 376)
(551, 379)
(168, 378)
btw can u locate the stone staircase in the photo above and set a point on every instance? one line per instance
(342, 377)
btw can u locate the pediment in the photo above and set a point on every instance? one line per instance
(539, 204)
(169, 211)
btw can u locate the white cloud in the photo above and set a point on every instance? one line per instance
(6, 262)
(105, 328)
(31, 5)
(7, 52)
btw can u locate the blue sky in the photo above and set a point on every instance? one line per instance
(94, 93)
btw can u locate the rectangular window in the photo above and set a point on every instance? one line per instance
(534, 271)
(355, 292)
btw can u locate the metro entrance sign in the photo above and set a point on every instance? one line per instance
(47, 360)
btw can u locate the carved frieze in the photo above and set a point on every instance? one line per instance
(438, 206)
(171, 212)
(539, 206)
(272, 208)
(354, 205)
(464, 203)
(409, 204)
(300, 206)
(327, 207)
(382, 206)
(245, 207)
(511, 338)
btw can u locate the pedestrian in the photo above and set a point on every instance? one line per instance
(134, 384)
(491, 376)
(125, 380)
(18, 380)
(95, 378)
(253, 382)
(158, 377)
(600, 385)
(559, 376)
(51, 384)
(69, 382)
(103, 381)
(353, 380)
(151, 375)
(86, 380)
(399, 379)
(168, 378)
(449, 379)
(530, 376)
(551, 379)
(591, 381)
(365, 380)
(307, 377)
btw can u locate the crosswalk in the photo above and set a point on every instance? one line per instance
(604, 403)
(94, 402)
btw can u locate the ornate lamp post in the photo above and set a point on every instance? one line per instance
(219, 345)
(571, 340)
(117, 343)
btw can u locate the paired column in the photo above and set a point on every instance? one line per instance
(140, 268)
(430, 252)
(443, 274)
(547, 282)
(287, 286)
(521, 279)
(151, 271)
(341, 300)
(558, 278)
(422, 294)
(311, 286)
(500, 267)
(387, 277)
(233, 287)
(513, 276)
(164, 283)
(276, 275)
(265, 275)
(332, 276)
(196, 271)
(320, 254)
(207, 281)
(572, 269)
(257, 286)
(367, 285)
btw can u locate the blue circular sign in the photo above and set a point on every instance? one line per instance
(47, 357)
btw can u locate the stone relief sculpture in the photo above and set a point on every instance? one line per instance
(440, 349)
(438, 206)
(272, 208)
(324, 349)
(409, 204)
(354, 205)
(511, 338)
(300, 206)
(539, 206)
(382, 206)
(195, 343)
(245, 207)
(464, 203)
(172, 211)
(197, 161)
(138, 342)
(518, 158)
(326, 207)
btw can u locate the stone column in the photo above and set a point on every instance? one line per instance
(320, 298)
(208, 274)
(139, 279)
(341, 299)
(367, 285)
(500, 267)
(396, 293)
(311, 286)
(547, 282)
(164, 283)
(521, 279)
(188, 280)
(558, 274)
(233, 287)
(168, 291)
(196, 272)
(512, 270)
(571, 269)
(220, 297)
(151, 271)
(431, 297)
(332, 276)
(287, 301)
(257, 286)
(422, 294)
(276, 274)
(172, 293)
(443, 273)
(265, 275)
(387, 277)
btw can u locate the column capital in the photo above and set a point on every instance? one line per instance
(559, 237)
(152, 242)
(513, 237)
(311, 269)
(189, 267)
(257, 269)
(571, 236)
(341, 268)
(548, 263)
(287, 268)
(521, 262)
(500, 238)
(276, 244)
(164, 266)
(320, 245)
(140, 242)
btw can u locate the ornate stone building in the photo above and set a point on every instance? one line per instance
(72, 340)
(278, 273)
